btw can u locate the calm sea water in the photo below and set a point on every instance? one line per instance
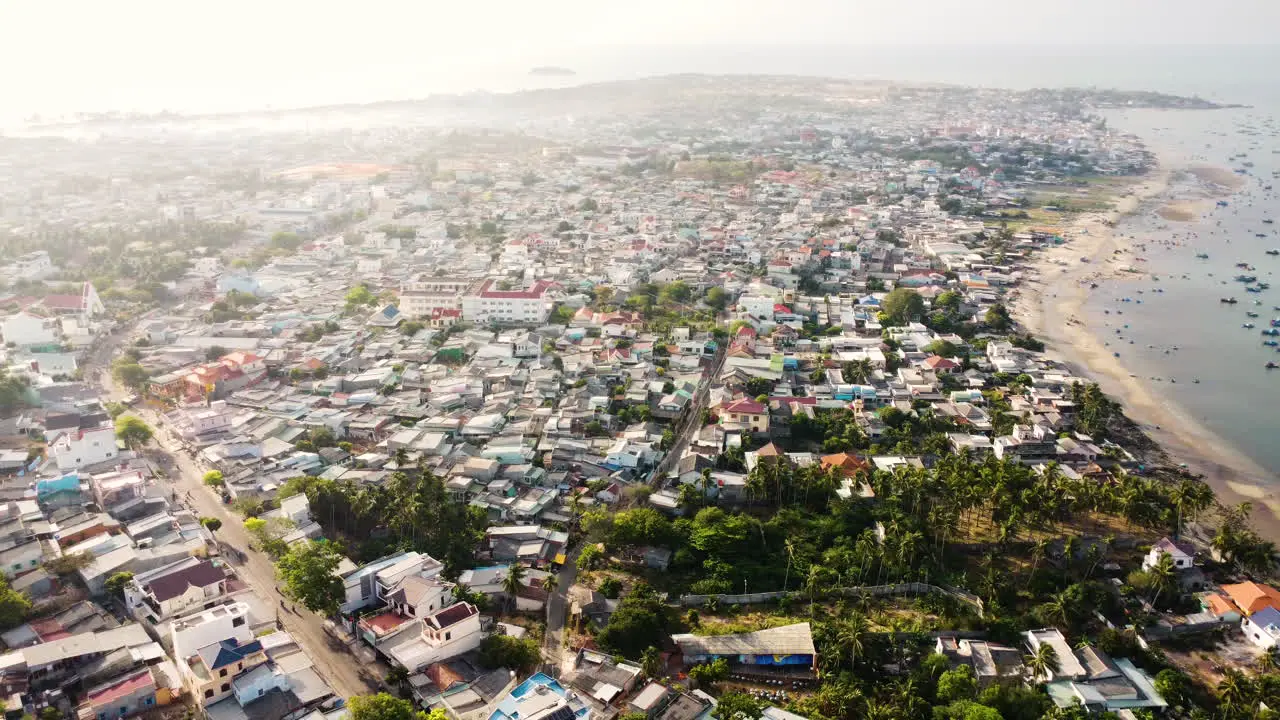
(1236, 397)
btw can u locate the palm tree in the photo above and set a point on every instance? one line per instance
(1234, 690)
(1163, 575)
(551, 583)
(790, 547)
(850, 634)
(1037, 553)
(1043, 662)
(512, 582)
(651, 662)
(1060, 606)
(811, 586)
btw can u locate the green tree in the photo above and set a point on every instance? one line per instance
(651, 662)
(69, 564)
(213, 352)
(116, 584)
(359, 296)
(284, 240)
(397, 677)
(1043, 662)
(640, 618)
(504, 651)
(717, 298)
(129, 373)
(957, 684)
(382, 706)
(588, 557)
(513, 582)
(737, 706)
(308, 573)
(708, 674)
(133, 431)
(902, 305)
(997, 318)
(213, 524)
(214, 478)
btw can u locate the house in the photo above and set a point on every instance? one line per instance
(1183, 555)
(442, 635)
(1087, 677)
(991, 662)
(130, 693)
(486, 304)
(174, 589)
(541, 697)
(1263, 627)
(26, 329)
(75, 449)
(369, 584)
(1252, 597)
(746, 414)
(788, 647)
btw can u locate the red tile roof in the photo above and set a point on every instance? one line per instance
(123, 687)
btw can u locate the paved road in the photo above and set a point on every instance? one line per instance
(691, 422)
(185, 477)
(557, 608)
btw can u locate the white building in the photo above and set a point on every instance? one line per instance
(444, 634)
(77, 449)
(25, 328)
(1183, 555)
(486, 304)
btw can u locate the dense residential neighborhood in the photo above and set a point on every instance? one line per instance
(714, 409)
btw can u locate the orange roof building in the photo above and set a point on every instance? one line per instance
(1251, 597)
(847, 464)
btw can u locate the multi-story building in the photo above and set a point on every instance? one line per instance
(75, 449)
(486, 304)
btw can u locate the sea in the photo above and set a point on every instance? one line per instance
(1236, 397)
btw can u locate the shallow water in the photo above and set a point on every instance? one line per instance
(1237, 398)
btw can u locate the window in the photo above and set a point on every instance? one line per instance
(237, 622)
(259, 692)
(448, 636)
(226, 687)
(208, 693)
(149, 701)
(222, 672)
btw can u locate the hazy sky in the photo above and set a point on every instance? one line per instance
(97, 54)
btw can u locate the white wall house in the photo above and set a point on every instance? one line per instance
(487, 304)
(76, 449)
(1183, 555)
(27, 329)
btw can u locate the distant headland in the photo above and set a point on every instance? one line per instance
(552, 70)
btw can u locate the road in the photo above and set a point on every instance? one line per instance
(690, 422)
(557, 609)
(186, 478)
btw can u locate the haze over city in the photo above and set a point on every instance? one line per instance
(698, 360)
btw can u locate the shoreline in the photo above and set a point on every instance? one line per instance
(1051, 307)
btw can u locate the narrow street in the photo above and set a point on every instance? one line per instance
(557, 608)
(185, 478)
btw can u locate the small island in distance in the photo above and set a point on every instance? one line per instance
(552, 70)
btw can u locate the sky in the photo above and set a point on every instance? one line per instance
(64, 55)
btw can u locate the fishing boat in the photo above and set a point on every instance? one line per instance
(1270, 343)
(1252, 314)
(1222, 203)
(1271, 332)
(1271, 365)
(1229, 301)
(1253, 289)
(1264, 286)
(1246, 278)
(1267, 221)
(1273, 251)
(1247, 326)
(1203, 256)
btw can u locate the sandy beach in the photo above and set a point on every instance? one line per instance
(1050, 307)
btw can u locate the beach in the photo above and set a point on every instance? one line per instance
(1050, 305)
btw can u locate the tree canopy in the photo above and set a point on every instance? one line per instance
(133, 431)
(308, 573)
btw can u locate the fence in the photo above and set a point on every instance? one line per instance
(911, 588)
